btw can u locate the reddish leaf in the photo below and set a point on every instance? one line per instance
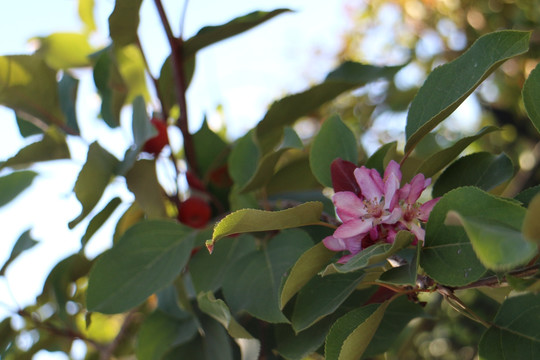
(343, 176)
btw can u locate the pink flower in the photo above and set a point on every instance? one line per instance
(379, 211)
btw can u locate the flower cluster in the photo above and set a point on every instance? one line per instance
(377, 208)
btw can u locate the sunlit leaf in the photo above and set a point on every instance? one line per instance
(253, 282)
(124, 21)
(531, 94)
(334, 140)
(86, 14)
(531, 225)
(22, 244)
(146, 259)
(28, 86)
(142, 181)
(132, 69)
(13, 184)
(93, 178)
(250, 220)
(65, 50)
(450, 84)
(515, 333)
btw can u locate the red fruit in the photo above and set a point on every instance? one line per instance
(157, 143)
(220, 177)
(194, 182)
(194, 212)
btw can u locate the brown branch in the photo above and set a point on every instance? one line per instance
(177, 57)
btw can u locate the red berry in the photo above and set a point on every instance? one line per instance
(194, 182)
(157, 143)
(194, 212)
(220, 177)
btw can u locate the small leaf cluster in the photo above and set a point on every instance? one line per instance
(232, 265)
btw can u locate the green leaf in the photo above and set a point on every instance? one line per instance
(67, 90)
(212, 34)
(159, 333)
(321, 296)
(24, 243)
(13, 184)
(515, 333)
(111, 87)
(217, 309)
(527, 195)
(208, 270)
(499, 245)
(65, 50)
(243, 160)
(52, 146)
(166, 84)
(142, 181)
(531, 94)
(307, 266)
(298, 346)
(297, 169)
(97, 221)
(351, 334)
(253, 282)
(334, 140)
(86, 14)
(133, 71)
(124, 21)
(93, 178)
(483, 170)
(251, 220)
(286, 111)
(531, 225)
(27, 127)
(441, 159)
(450, 84)
(146, 259)
(28, 86)
(448, 255)
(382, 157)
(374, 254)
(209, 149)
(142, 128)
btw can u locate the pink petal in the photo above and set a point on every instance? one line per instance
(370, 183)
(418, 232)
(353, 228)
(393, 217)
(344, 259)
(334, 243)
(348, 205)
(391, 187)
(392, 169)
(425, 209)
(417, 187)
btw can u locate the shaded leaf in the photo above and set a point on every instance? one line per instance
(22, 244)
(124, 21)
(527, 195)
(93, 178)
(97, 221)
(298, 346)
(209, 149)
(440, 159)
(146, 259)
(27, 127)
(382, 157)
(253, 282)
(65, 50)
(67, 90)
(483, 170)
(142, 181)
(531, 225)
(243, 160)
(167, 89)
(450, 84)
(13, 184)
(531, 94)
(297, 169)
(28, 86)
(334, 140)
(250, 220)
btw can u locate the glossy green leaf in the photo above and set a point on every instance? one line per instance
(321, 296)
(52, 146)
(499, 245)
(483, 170)
(159, 333)
(450, 84)
(441, 159)
(243, 160)
(286, 111)
(374, 254)
(351, 334)
(22, 244)
(124, 21)
(208, 270)
(13, 184)
(217, 309)
(65, 50)
(93, 178)
(67, 89)
(97, 221)
(307, 266)
(253, 282)
(515, 333)
(531, 225)
(146, 259)
(381, 157)
(251, 220)
(298, 346)
(167, 89)
(28, 86)
(448, 255)
(334, 140)
(531, 94)
(142, 181)
(111, 87)
(212, 34)
(209, 149)
(86, 14)
(527, 195)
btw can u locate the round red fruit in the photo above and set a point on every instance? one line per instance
(157, 143)
(194, 212)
